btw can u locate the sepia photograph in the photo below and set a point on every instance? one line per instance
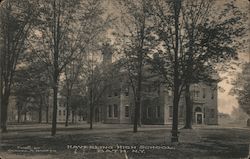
(124, 79)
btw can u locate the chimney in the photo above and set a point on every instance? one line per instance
(107, 52)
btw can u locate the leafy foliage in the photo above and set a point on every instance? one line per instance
(242, 88)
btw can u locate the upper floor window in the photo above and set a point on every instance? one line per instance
(126, 111)
(149, 111)
(170, 111)
(170, 93)
(115, 110)
(204, 114)
(159, 91)
(212, 113)
(109, 94)
(158, 111)
(109, 91)
(204, 92)
(126, 90)
(60, 112)
(181, 111)
(126, 93)
(110, 111)
(196, 94)
(212, 94)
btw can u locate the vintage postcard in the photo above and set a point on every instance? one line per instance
(124, 79)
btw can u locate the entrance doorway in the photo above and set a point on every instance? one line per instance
(199, 118)
(198, 115)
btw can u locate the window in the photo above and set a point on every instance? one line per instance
(169, 93)
(196, 94)
(64, 112)
(127, 92)
(204, 110)
(126, 111)
(212, 113)
(149, 88)
(149, 111)
(60, 112)
(170, 111)
(110, 111)
(204, 92)
(158, 91)
(109, 94)
(196, 91)
(115, 111)
(212, 94)
(181, 111)
(158, 111)
(61, 103)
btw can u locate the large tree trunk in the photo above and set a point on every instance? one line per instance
(47, 114)
(91, 109)
(67, 111)
(54, 120)
(175, 117)
(91, 117)
(4, 113)
(140, 116)
(18, 113)
(177, 6)
(56, 73)
(136, 116)
(138, 96)
(40, 110)
(73, 116)
(25, 116)
(188, 122)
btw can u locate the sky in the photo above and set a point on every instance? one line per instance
(226, 102)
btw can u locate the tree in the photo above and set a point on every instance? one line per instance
(241, 88)
(136, 44)
(56, 29)
(211, 41)
(31, 85)
(203, 40)
(65, 30)
(97, 77)
(16, 22)
(94, 30)
(71, 72)
(167, 15)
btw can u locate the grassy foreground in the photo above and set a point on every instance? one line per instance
(118, 141)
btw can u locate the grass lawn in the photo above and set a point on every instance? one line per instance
(111, 141)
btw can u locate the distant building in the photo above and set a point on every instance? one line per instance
(156, 102)
(32, 115)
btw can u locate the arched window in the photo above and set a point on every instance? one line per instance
(198, 109)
